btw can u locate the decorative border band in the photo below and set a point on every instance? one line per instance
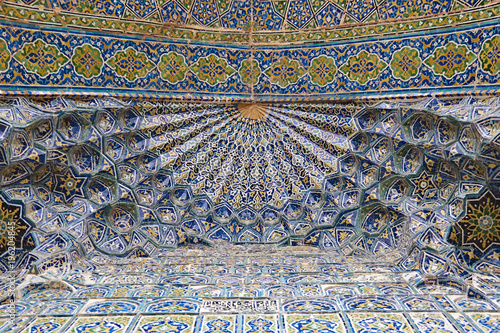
(463, 60)
(220, 99)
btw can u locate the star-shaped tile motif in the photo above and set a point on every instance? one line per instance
(422, 184)
(480, 227)
(69, 185)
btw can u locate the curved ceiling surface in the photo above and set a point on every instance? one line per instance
(87, 178)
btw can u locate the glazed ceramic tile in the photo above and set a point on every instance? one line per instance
(486, 321)
(299, 323)
(113, 324)
(379, 322)
(52, 324)
(250, 166)
(464, 323)
(14, 325)
(224, 323)
(110, 307)
(62, 308)
(428, 321)
(407, 65)
(165, 323)
(261, 323)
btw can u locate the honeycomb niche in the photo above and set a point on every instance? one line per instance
(254, 166)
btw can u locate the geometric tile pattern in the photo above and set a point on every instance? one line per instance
(122, 215)
(353, 294)
(417, 182)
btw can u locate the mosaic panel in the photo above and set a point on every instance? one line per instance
(172, 324)
(335, 313)
(55, 325)
(136, 216)
(128, 180)
(13, 325)
(488, 322)
(315, 323)
(395, 322)
(464, 323)
(463, 60)
(427, 322)
(62, 308)
(99, 324)
(260, 323)
(219, 323)
(231, 21)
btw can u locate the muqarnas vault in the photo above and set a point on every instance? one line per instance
(250, 166)
(207, 216)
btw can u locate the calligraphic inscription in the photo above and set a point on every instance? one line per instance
(264, 305)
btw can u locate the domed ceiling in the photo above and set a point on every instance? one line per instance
(249, 166)
(103, 177)
(133, 127)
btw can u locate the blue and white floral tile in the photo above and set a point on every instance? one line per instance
(63, 308)
(486, 321)
(379, 322)
(432, 322)
(164, 323)
(171, 306)
(261, 323)
(107, 307)
(115, 324)
(219, 323)
(302, 323)
(47, 324)
(466, 324)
